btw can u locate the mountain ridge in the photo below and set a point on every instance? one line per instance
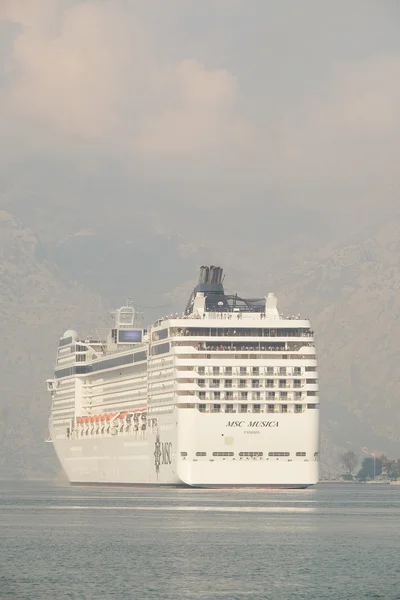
(350, 294)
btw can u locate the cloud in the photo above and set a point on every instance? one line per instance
(350, 131)
(202, 95)
(99, 77)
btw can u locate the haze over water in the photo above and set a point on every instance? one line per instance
(334, 541)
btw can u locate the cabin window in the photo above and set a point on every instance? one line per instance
(278, 453)
(259, 454)
(160, 349)
(161, 334)
(223, 453)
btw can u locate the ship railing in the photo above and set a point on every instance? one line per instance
(234, 334)
(202, 347)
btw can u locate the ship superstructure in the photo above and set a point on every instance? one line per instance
(225, 394)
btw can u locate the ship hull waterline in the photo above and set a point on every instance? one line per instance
(169, 455)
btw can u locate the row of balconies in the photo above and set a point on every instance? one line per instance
(244, 398)
(184, 348)
(248, 373)
(239, 335)
(255, 408)
(256, 372)
(190, 385)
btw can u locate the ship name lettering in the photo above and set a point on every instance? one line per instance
(235, 424)
(264, 424)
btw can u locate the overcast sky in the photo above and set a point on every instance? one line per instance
(218, 100)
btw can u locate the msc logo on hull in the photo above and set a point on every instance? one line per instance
(162, 453)
(253, 424)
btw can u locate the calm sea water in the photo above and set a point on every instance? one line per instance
(334, 541)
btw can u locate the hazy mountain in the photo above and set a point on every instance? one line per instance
(353, 298)
(36, 304)
(350, 293)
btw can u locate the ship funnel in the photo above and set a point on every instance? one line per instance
(211, 275)
(210, 284)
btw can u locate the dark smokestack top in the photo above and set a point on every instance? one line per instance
(211, 275)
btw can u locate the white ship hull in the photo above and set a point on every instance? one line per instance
(157, 457)
(224, 395)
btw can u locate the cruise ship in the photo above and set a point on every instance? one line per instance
(223, 395)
